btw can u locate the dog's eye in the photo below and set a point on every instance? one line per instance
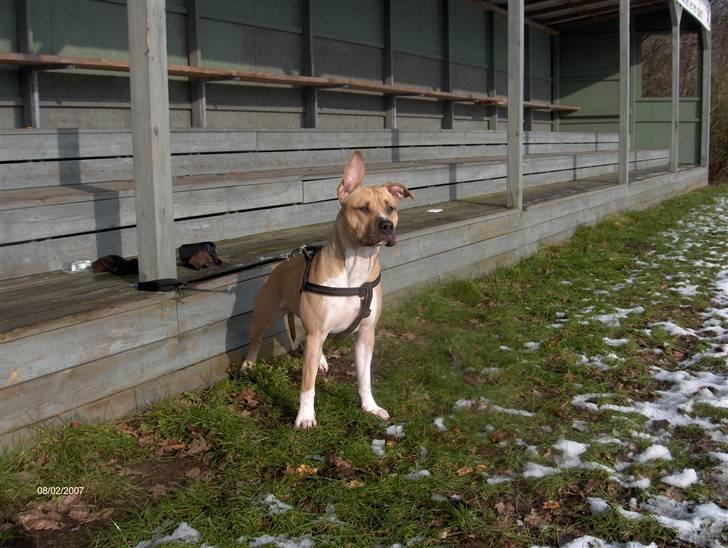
(364, 208)
(390, 208)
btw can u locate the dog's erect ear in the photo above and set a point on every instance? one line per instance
(353, 176)
(399, 191)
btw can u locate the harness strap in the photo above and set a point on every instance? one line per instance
(365, 292)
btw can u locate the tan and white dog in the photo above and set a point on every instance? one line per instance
(366, 222)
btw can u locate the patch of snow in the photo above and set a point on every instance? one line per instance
(612, 319)
(533, 470)
(417, 475)
(695, 523)
(485, 404)
(281, 541)
(396, 431)
(532, 346)
(464, 404)
(495, 480)
(675, 330)
(615, 343)
(439, 423)
(683, 479)
(275, 506)
(570, 453)
(654, 452)
(183, 534)
(503, 347)
(588, 541)
(597, 505)
(378, 447)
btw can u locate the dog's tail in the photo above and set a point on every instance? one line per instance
(292, 327)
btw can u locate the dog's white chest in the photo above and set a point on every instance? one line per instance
(340, 312)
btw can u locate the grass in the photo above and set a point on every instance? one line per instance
(208, 457)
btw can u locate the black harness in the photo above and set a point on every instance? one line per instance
(365, 291)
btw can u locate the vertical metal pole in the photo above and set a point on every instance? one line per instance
(310, 95)
(390, 101)
(28, 75)
(448, 107)
(705, 99)
(675, 15)
(624, 68)
(150, 139)
(514, 186)
(556, 81)
(490, 33)
(198, 93)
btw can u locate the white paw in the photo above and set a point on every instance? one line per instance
(378, 411)
(323, 365)
(247, 364)
(304, 422)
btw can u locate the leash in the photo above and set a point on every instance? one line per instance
(365, 291)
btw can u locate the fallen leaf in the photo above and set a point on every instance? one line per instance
(79, 513)
(198, 446)
(68, 502)
(535, 519)
(551, 505)
(193, 472)
(480, 467)
(159, 490)
(170, 446)
(302, 470)
(74, 424)
(342, 466)
(504, 508)
(464, 471)
(408, 336)
(354, 484)
(42, 524)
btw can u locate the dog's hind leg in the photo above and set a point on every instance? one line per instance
(268, 308)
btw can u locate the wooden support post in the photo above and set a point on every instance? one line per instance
(448, 107)
(28, 75)
(150, 139)
(528, 114)
(705, 36)
(310, 94)
(634, 77)
(390, 101)
(514, 186)
(198, 92)
(624, 68)
(675, 16)
(555, 81)
(490, 33)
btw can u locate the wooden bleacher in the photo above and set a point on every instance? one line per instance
(43, 61)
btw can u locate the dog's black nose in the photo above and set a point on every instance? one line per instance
(386, 226)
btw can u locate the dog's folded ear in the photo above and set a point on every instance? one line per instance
(353, 176)
(399, 191)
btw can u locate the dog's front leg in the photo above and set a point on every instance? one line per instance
(311, 358)
(363, 351)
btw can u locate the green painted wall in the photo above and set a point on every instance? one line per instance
(590, 80)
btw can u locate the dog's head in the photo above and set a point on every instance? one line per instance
(369, 213)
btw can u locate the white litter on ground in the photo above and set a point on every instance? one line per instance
(275, 506)
(683, 479)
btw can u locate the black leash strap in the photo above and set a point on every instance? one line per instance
(365, 291)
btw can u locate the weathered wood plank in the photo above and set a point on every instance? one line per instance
(31, 357)
(23, 145)
(30, 223)
(150, 139)
(624, 83)
(514, 192)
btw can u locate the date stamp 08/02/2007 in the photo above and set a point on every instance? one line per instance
(59, 490)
